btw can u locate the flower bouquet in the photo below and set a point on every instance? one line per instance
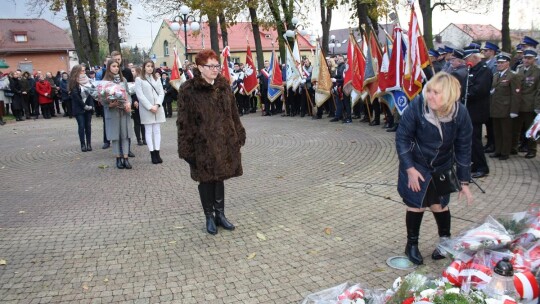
(108, 91)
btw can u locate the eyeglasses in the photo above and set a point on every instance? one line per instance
(216, 67)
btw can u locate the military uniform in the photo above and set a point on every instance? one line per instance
(505, 100)
(530, 89)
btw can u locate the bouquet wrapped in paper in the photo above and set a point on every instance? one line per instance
(490, 235)
(108, 91)
(534, 131)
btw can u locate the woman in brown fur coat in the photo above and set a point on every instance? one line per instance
(210, 135)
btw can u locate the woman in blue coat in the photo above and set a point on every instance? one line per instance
(435, 132)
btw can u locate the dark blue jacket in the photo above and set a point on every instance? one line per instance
(77, 103)
(419, 145)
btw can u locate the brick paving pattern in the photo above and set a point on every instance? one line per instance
(72, 232)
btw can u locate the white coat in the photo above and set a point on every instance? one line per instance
(150, 92)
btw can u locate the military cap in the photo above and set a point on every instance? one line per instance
(448, 49)
(529, 41)
(468, 53)
(433, 53)
(473, 46)
(519, 48)
(459, 54)
(503, 57)
(530, 53)
(491, 46)
(441, 51)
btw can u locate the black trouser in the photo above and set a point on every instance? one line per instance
(137, 126)
(167, 106)
(105, 140)
(66, 105)
(84, 122)
(376, 110)
(34, 105)
(266, 102)
(478, 157)
(490, 133)
(26, 104)
(47, 110)
(57, 105)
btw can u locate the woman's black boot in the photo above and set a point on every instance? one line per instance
(119, 163)
(443, 220)
(83, 148)
(413, 221)
(219, 207)
(153, 155)
(127, 165)
(206, 192)
(158, 157)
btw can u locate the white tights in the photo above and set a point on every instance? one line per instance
(153, 136)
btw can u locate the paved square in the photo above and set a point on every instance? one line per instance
(73, 232)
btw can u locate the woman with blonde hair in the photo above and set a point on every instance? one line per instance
(434, 135)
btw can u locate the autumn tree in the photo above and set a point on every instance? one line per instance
(505, 29)
(428, 6)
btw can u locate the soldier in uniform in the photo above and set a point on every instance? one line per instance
(489, 51)
(459, 68)
(447, 57)
(529, 43)
(505, 102)
(477, 102)
(518, 59)
(434, 57)
(530, 87)
(238, 88)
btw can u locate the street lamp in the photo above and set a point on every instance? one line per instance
(296, 28)
(151, 32)
(334, 43)
(185, 17)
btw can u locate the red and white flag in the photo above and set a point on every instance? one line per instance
(176, 79)
(251, 82)
(391, 73)
(417, 59)
(225, 71)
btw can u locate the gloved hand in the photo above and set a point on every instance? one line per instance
(303, 81)
(333, 79)
(537, 111)
(513, 115)
(88, 108)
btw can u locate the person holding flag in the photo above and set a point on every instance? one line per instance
(263, 85)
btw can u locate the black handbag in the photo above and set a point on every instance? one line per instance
(446, 181)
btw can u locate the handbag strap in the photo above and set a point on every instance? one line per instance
(151, 85)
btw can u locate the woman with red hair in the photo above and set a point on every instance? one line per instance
(210, 135)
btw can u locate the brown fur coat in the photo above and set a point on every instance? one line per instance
(210, 133)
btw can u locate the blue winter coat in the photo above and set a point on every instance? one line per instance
(419, 145)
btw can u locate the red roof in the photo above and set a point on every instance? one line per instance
(239, 35)
(41, 36)
(482, 32)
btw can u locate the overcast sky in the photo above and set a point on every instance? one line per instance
(522, 15)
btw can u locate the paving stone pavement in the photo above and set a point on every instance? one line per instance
(72, 232)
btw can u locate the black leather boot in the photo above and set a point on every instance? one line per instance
(219, 207)
(158, 158)
(153, 155)
(127, 165)
(120, 163)
(413, 221)
(443, 220)
(207, 193)
(83, 148)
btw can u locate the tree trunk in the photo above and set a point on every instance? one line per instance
(223, 28)
(81, 51)
(94, 33)
(112, 25)
(257, 37)
(505, 30)
(84, 33)
(427, 21)
(214, 35)
(326, 21)
(363, 18)
(274, 9)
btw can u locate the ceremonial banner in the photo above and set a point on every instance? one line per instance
(293, 74)
(323, 89)
(316, 64)
(417, 59)
(226, 71)
(348, 73)
(391, 75)
(275, 80)
(250, 80)
(400, 101)
(359, 66)
(176, 79)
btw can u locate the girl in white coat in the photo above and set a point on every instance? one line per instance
(150, 94)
